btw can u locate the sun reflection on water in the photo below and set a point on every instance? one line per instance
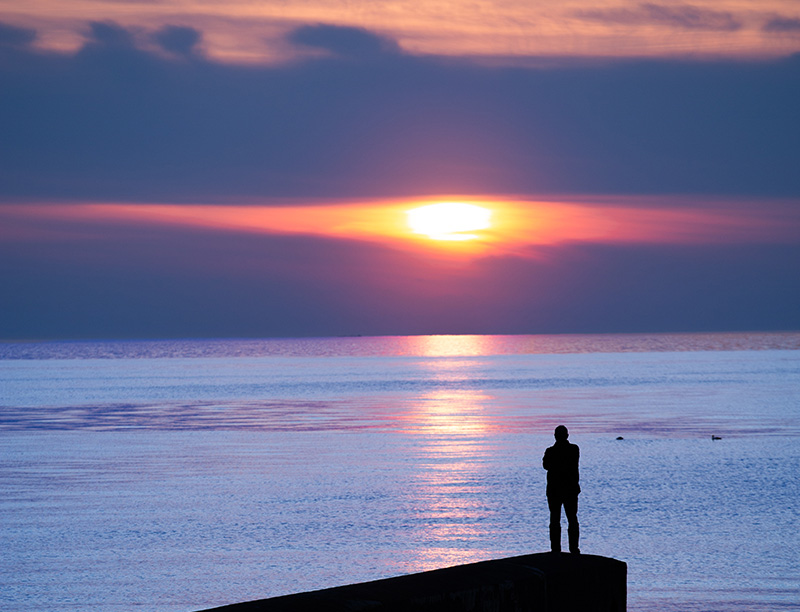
(449, 346)
(454, 433)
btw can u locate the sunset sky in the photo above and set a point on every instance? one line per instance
(198, 168)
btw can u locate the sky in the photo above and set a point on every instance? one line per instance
(193, 168)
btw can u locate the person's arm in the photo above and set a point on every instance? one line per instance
(546, 460)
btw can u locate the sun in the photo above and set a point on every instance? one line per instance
(449, 220)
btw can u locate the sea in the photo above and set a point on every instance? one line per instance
(179, 475)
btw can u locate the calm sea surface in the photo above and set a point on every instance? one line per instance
(180, 475)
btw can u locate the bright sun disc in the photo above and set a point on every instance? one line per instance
(449, 220)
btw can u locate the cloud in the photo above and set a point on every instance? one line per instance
(782, 24)
(116, 121)
(13, 36)
(110, 34)
(680, 16)
(343, 41)
(136, 281)
(180, 40)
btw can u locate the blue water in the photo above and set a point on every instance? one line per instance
(180, 475)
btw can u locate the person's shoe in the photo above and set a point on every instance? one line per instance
(556, 551)
(575, 551)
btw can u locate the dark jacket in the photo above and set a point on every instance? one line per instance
(561, 462)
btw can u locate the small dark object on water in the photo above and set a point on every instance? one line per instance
(620, 438)
(713, 437)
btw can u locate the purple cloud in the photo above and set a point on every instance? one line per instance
(782, 24)
(679, 16)
(13, 36)
(115, 121)
(180, 40)
(344, 41)
(136, 281)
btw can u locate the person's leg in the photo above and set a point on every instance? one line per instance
(573, 529)
(554, 504)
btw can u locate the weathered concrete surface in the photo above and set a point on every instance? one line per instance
(542, 582)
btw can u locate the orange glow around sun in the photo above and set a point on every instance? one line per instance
(452, 226)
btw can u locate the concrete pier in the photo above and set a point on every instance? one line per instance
(542, 582)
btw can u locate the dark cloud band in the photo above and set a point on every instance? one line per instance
(119, 121)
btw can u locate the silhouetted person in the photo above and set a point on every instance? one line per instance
(561, 462)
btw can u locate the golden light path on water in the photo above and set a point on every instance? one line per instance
(454, 429)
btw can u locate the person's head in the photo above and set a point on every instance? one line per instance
(561, 433)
